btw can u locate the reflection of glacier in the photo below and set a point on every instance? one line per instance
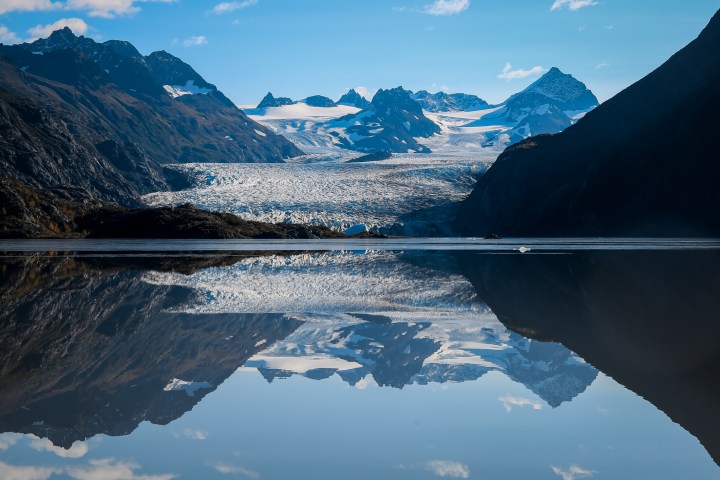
(325, 283)
(427, 350)
(400, 319)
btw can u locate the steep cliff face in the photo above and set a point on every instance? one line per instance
(95, 349)
(644, 163)
(101, 117)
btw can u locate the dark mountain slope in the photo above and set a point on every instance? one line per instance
(643, 163)
(67, 121)
(646, 319)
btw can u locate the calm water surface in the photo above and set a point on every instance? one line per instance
(565, 362)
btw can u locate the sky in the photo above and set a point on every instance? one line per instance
(298, 48)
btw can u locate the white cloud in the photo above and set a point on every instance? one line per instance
(13, 472)
(447, 7)
(77, 25)
(27, 5)
(95, 8)
(109, 469)
(509, 74)
(76, 450)
(227, 7)
(510, 402)
(572, 473)
(7, 440)
(446, 468)
(367, 93)
(228, 469)
(601, 65)
(195, 434)
(193, 41)
(572, 4)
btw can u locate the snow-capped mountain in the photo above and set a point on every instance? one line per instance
(270, 101)
(353, 99)
(319, 101)
(391, 123)
(452, 102)
(361, 347)
(549, 105)
(102, 119)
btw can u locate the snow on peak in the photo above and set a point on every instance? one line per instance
(188, 89)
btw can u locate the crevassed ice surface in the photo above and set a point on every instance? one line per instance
(334, 194)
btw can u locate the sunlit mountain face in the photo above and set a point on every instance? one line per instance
(235, 360)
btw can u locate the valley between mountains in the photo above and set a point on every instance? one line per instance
(97, 133)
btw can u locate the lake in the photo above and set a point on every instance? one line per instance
(383, 359)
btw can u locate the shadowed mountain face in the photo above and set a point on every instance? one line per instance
(391, 123)
(645, 163)
(101, 117)
(398, 354)
(89, 350)
(647, 319)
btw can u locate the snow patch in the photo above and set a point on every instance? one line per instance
(189, 88)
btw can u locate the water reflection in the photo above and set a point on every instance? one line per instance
(95, 346)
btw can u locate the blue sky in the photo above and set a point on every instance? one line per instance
(299, 48)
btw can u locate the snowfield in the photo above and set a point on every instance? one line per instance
(322, 188)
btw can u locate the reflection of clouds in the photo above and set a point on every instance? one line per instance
(445, 468)
(509, 402)
(109, 469)
(194, 434)
(573, 473)
(7, 440)
(229, 469)
(76, 450)
(16, 472)
(441, 468)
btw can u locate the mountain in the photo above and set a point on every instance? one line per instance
(647, 319)
(398, 354)
(644, 163)
(99, 117)
(87, 348)
(549, 105)
(319, 101)
(270, 101)
(443, 102)
(391, 123)
(353, 99)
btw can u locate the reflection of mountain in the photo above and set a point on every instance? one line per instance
(400, 353)
(647, 319)
(94, 351)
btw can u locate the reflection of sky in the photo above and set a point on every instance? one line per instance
(299, 428)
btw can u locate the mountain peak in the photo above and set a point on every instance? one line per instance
(353, 99)
(271, 101)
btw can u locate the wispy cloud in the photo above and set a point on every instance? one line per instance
(7, 440)
(26, 473)
(572, 473)
(76, 450)
(509, 74)
(572, 4)
(227, 7)
(194, 41)
(195, 434)
(7, 36)
(509, 402)
(601, 65)
(107, 468)
(441, 468)
(446, 468)
(446, 7)
(77, 25)
(229, 469)
(95, 8)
